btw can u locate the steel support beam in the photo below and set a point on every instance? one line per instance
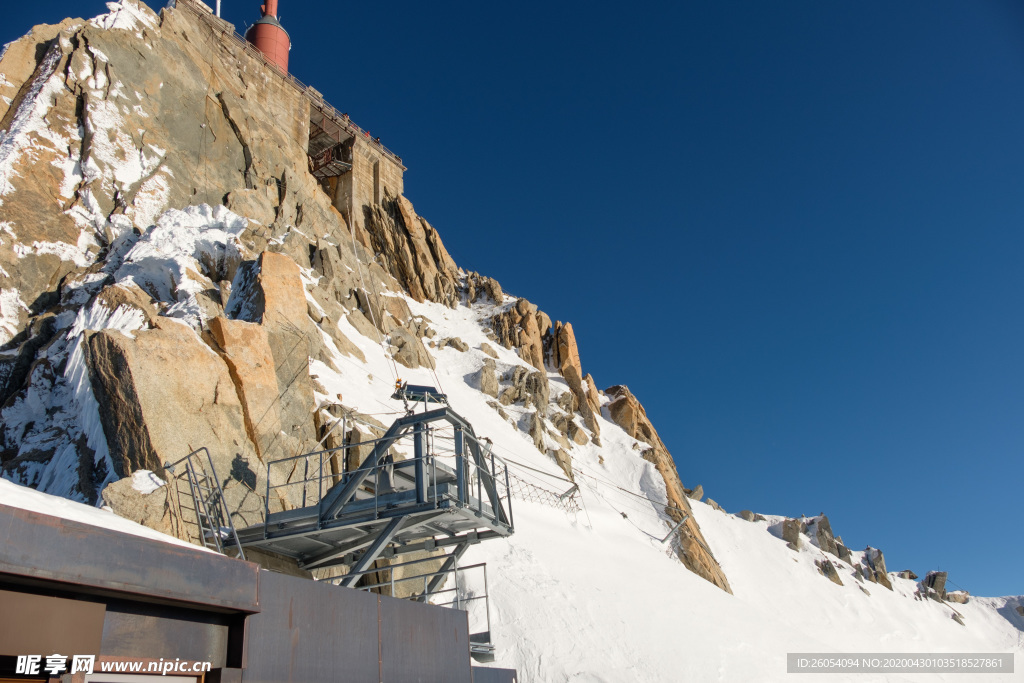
(374, 550)
(470, 538)
(419, 454)
(486, 477)
(325, 558)
(460, 465)
(339, 496)
(439, 578)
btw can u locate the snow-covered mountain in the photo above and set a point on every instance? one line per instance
(174, 276)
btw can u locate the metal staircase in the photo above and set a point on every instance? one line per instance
(203, 491)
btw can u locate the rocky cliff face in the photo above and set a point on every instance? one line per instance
(626, 411)
(171, 272)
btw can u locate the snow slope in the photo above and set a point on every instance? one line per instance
(596, 596)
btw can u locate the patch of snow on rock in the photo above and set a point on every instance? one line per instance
(10, 305)
(66, 252)
(145, 482)
(127, 15)
(29, 123)
(55, 413)
(170, 259)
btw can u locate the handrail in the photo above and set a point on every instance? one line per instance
(411, 562)
(316, 100)
(307, 479)
(486, 443)
(458, 602)
(324, 450)
(198, 500)
(313, 475)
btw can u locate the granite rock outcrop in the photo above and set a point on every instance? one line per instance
(627, 412)
(173, 277)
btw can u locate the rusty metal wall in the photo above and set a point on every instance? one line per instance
(486, 674)
(36, 624)
(170, 601)
(50, 548)
(134, 629)
(311, 631)
(423, 643)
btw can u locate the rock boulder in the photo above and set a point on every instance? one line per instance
(828, 570)
(153, 413)
(792, 529)
(876, 564)
(245, 349)
(822, 530)
(531, 388)
(935, 582)
(487, 379)
(152, 509)
(518, 328)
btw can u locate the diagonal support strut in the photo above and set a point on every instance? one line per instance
(374, 550)
(442, 573)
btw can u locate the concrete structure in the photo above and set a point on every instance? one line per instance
(366, 171)
(373, 171)
(70, 588)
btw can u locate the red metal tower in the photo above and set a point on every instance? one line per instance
(269, 36)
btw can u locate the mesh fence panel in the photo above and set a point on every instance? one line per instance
(521, 489)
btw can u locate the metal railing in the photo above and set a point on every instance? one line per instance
(568, 501)
(316, 99)
(458, 596)
(307, 478)
(315, 483)
(499, 471)
(213, 518)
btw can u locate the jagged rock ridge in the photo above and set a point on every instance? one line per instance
(158, 214)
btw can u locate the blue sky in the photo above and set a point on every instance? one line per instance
(792, 228)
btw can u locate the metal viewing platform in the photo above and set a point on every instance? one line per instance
(327, 151)
(451, 493)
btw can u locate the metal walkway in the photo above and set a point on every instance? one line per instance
(328, 155)
(451, 493)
